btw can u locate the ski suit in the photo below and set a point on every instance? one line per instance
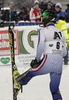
(52, 45)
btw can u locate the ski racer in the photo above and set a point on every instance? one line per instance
(52, 46)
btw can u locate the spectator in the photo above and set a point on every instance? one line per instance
(26, 17)
(67, 8)
(59, 12)
(35, 13)
(13, 13)
(49, 5)
(62, 26)
(5, 13)
(20, 16)
(67, 16)
(42, 6)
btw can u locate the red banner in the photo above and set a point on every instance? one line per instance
(4, 43)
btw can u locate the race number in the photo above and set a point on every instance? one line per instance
(58, 45)
(57, 35)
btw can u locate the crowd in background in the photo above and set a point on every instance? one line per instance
(34, 14)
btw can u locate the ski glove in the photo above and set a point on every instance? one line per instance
(34, 63)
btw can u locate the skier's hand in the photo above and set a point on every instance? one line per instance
(34, 63)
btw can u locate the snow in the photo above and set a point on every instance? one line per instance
(37, 88)
(5, 83)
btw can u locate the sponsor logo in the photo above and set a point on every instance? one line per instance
(50, 45)
(5, 60)
(4, 43)
(28, 40)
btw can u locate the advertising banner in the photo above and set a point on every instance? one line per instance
(28, 40)
(25, 41)
(4, 43)
(5, 47)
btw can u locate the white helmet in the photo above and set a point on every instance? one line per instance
(36, 1)
(58, 5)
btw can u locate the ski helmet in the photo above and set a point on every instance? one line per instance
(48, 16)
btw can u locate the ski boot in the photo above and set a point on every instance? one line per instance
(25, 77)
(57, 96)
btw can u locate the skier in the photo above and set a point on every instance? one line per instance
(52, 45)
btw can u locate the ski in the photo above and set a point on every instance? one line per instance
(14, 68)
